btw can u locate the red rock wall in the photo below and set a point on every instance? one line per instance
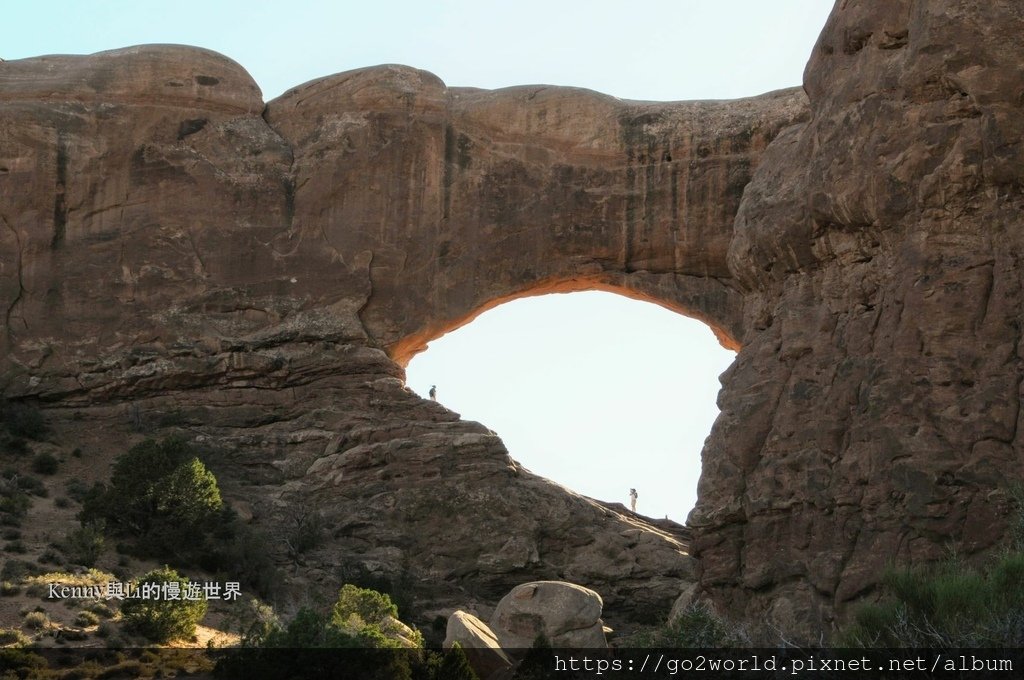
(872, 414)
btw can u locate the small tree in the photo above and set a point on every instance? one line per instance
(455, 666)
(22, 420)
(84, 545)
(160, 493)
(162, 620)
(369, 605)
(538, 661)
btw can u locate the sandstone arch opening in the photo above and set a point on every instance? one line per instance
(593, 390)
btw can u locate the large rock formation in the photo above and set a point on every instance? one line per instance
(176, 256)
(872, 415)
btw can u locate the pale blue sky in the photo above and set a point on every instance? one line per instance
(598, 392)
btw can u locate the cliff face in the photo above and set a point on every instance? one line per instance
(873, 412)
(172, 250)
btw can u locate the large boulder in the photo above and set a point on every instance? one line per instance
(479, 642)
(567, 614)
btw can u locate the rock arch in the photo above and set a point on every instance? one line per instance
(478, 197)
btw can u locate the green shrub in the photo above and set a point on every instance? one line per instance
(256, 623)
(247, 555)
(86, 619)
(537, 662)
(397, 586)
(22, 420)
(15, 446)
(455, 666)
(12, 637)
(51, 557)
(26, 483)
(948, 605)
(99, 609)
(106, 629)
(45, 464)
(114, 641)
(15, 570)
(84, 545)
(14, 502)
(368, 605)
(360, 618)
(16, 547)
(696, 626)
(161, 495)
(8, 589)
(161, 620)
(36, 620)
(77, 489)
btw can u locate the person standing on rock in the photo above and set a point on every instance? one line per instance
(632, 499)
(433, 392)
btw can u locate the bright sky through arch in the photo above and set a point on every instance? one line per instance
(593, 390)
(654, 50)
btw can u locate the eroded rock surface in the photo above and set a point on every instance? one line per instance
(872, 415)
(177, 257)
(479, 642)
(566, 614)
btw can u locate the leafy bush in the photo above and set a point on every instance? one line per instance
(27, 483)
(77, 489)
(36, 620)
(13, 445)
(86, 619)
(16, 547)
(455, 666)
(99, 609)
(373, 656)
(696, 626)
(160, 494)
(368, 605)
(22, 420)
(15, 570)
(12, 637)
(397, 586)
(163, 620)
(359, 618)
(246, 554)
(256, 622)
(106, 629)
(84, 545)
(538, 661)
(949, 605)
(45, 464)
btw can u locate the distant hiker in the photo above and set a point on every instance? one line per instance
(433, 392)
(632, 499)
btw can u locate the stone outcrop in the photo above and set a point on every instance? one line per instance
(176, 256)
(479, 642)
(872, 415)
(566, 614)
